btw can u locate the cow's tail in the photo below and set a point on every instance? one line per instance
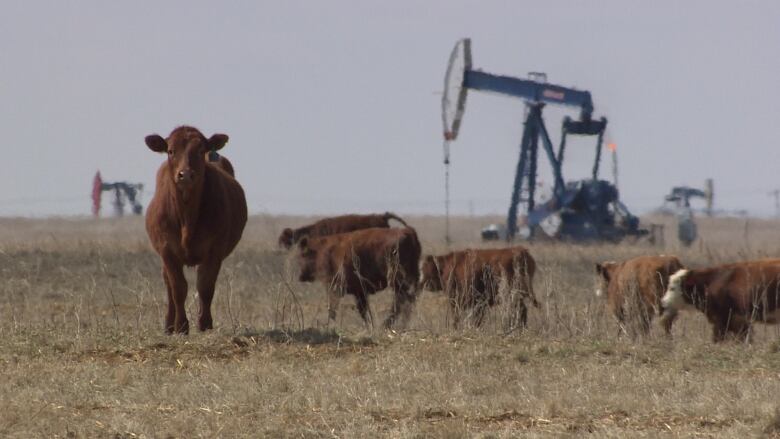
(530, 270)
(390, 215)
(410, 252)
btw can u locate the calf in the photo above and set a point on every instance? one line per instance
(361, 263)
(196, 218)
(337, 224)
(641, 280)
(471, 279)
(732, 296)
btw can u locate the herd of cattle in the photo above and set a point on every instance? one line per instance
(198, 214)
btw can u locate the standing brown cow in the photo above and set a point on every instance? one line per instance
(642, 281)
(196, 217)
(732, 296)
(361, 263)
(471, 279)
(337, 224)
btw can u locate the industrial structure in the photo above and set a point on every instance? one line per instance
(680, 197)
(123, 192)
(577, 210)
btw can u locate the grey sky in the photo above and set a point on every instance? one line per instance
(333, 106)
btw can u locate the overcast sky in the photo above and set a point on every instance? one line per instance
(335, 106)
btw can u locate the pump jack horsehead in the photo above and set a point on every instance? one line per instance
(196, 218)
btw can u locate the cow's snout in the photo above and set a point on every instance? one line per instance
(185, 176)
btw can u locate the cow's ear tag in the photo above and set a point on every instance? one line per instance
(213, 156)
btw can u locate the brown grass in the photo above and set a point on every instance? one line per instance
(83, 354)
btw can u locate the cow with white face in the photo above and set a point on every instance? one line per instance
(731, 296)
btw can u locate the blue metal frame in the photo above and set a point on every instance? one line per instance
(536, 95)
(530, 90)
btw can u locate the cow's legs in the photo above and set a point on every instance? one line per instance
(478, 315)
(719, 328)
(171, 314)
(455, 309)
(620, 316)
(334, 297)
(741, 330)
(523, 317)
(207, 279)
(174, 272)
(645, 316)
(729, 325)
(668, 320)
(403, 302)
(361, 301)
(529, 291)
(517, 310)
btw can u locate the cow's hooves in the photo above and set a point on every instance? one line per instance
(183, 328)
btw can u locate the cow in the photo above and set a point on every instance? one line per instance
(471, 280)
(731, 296)
(196, 218)
(361, 263)
(634, 288)
(337, 224)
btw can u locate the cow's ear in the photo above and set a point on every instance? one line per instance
(156, 143)
(217, 141)
(303, 244)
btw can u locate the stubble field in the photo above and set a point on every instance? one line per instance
(83, 354)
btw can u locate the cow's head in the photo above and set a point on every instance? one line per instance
(606, 272)
(286, 238)
(678, 294)
(186, 148)
(431, 274)
(307, 260)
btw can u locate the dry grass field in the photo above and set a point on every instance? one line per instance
(83, 354)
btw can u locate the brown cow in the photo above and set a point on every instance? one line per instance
(337, 224)
(732, 296)
(641, 280)
(196, 218)
(361, 263)
(471, 279)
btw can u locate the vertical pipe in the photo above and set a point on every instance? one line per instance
(447, 238)
(615, 169)
(598, 156)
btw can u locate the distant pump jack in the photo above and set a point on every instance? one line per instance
(585, 210)
(123, 191)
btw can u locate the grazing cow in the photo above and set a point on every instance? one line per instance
(337, 224)
(642, 281)
(471, 279)
(732, 296)
(361, 263)
(196, 218)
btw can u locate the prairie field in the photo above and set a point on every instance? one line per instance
(83, 352)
